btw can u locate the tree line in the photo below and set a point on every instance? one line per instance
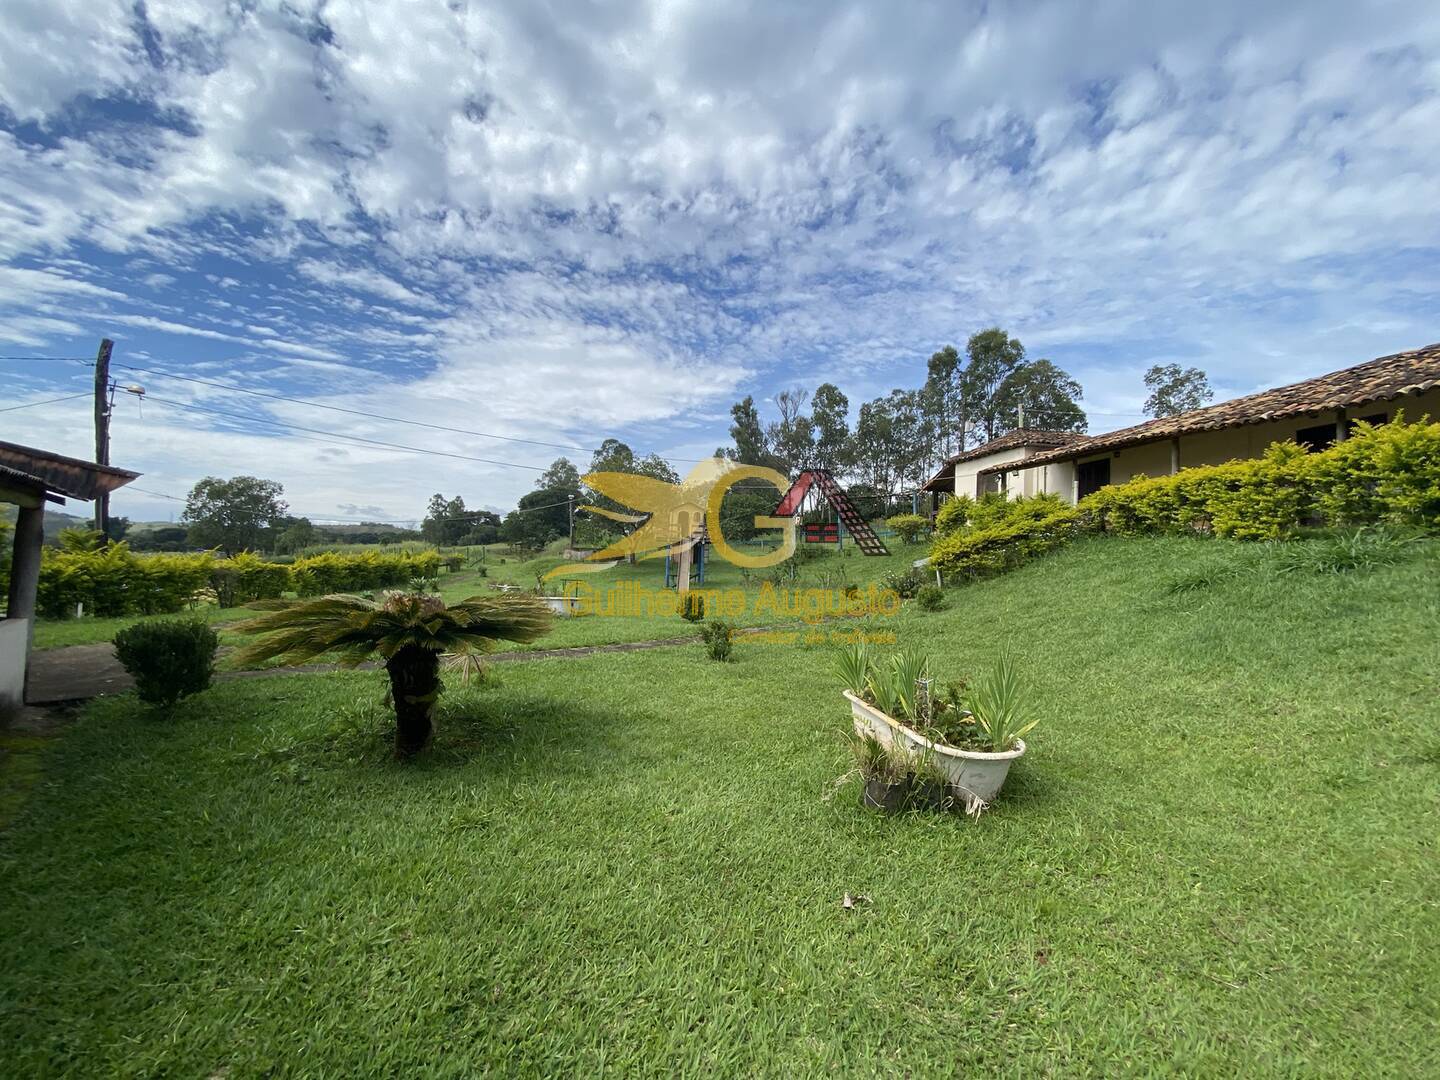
(896, 443)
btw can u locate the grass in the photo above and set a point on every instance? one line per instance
(1217, 857)
(827, 569)
(59, 633)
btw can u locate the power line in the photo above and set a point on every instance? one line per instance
(352, 412)
(354, 438)
(81, 359)
(48, 401)
(157, 494)
(370, 415)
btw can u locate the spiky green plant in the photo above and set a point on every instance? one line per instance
(911, 668)
(998, 700)
(409, 631)
(853, 665)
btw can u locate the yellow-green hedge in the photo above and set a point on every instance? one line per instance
(1387, 474)
(117, 581)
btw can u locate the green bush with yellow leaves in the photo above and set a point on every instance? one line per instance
(1382, 474)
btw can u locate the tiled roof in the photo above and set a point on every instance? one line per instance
(1011, 440)
(56, 472)
(1388, 377)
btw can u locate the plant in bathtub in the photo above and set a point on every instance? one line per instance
(968, 734)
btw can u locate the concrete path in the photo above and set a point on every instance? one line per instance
(79, 672)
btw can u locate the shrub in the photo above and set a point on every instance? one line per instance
(980, 551)
(719, 639)
(906, 583)
(116, 581)
(1388, 474)
(930, 598)
(168, 658)
(692, 607)
(329, 573)
(954, 515)
(911, 528)
(245, 578)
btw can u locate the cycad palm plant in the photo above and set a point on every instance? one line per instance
(409, 631)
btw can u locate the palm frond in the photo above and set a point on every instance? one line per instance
(352, 628)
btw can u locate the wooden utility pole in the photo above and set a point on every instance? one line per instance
(102, 426)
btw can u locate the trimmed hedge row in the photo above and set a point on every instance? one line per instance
(1386, 474)
(117, 581)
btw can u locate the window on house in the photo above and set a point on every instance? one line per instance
(1316, 438)
(1374, 418)
(985, 485)
(1092, 475)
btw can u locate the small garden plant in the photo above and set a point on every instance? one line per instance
(719, 639)
(990, 716)
(930, 598)
(168, 658)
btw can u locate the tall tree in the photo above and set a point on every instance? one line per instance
(747, 434)
(655, 466)
(944, 403)
(889, 446)
(230, 514)
(540, 517)
(446, 520)
(1174, 390)
(612, 456)
(993, 357)
(1043, 395)
(561, 476)
(792, 437)
(830, 415)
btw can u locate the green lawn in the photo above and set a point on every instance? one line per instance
(827, 569)
(58, 633)
(1218, 858)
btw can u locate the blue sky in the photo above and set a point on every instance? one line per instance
(563, 222)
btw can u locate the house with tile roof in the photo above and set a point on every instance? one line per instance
(1315, 413)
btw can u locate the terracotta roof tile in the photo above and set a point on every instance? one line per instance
(1011, 440)
(1382, 379)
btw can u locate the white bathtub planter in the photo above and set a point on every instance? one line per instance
(903, 768)
(974, 773)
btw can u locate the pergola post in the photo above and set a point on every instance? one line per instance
(25, 569)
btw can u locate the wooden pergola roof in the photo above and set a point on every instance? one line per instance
(55, 475)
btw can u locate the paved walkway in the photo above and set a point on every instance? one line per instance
(78, 672)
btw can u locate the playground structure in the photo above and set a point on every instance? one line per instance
(815, 485)
(685, 563)
(688, 538)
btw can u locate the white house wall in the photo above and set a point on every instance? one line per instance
(965, 470)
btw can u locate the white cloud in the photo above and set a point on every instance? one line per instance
(619, 219)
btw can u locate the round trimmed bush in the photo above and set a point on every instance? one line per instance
(168, 658)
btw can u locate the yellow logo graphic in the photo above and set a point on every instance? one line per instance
(671, 519)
